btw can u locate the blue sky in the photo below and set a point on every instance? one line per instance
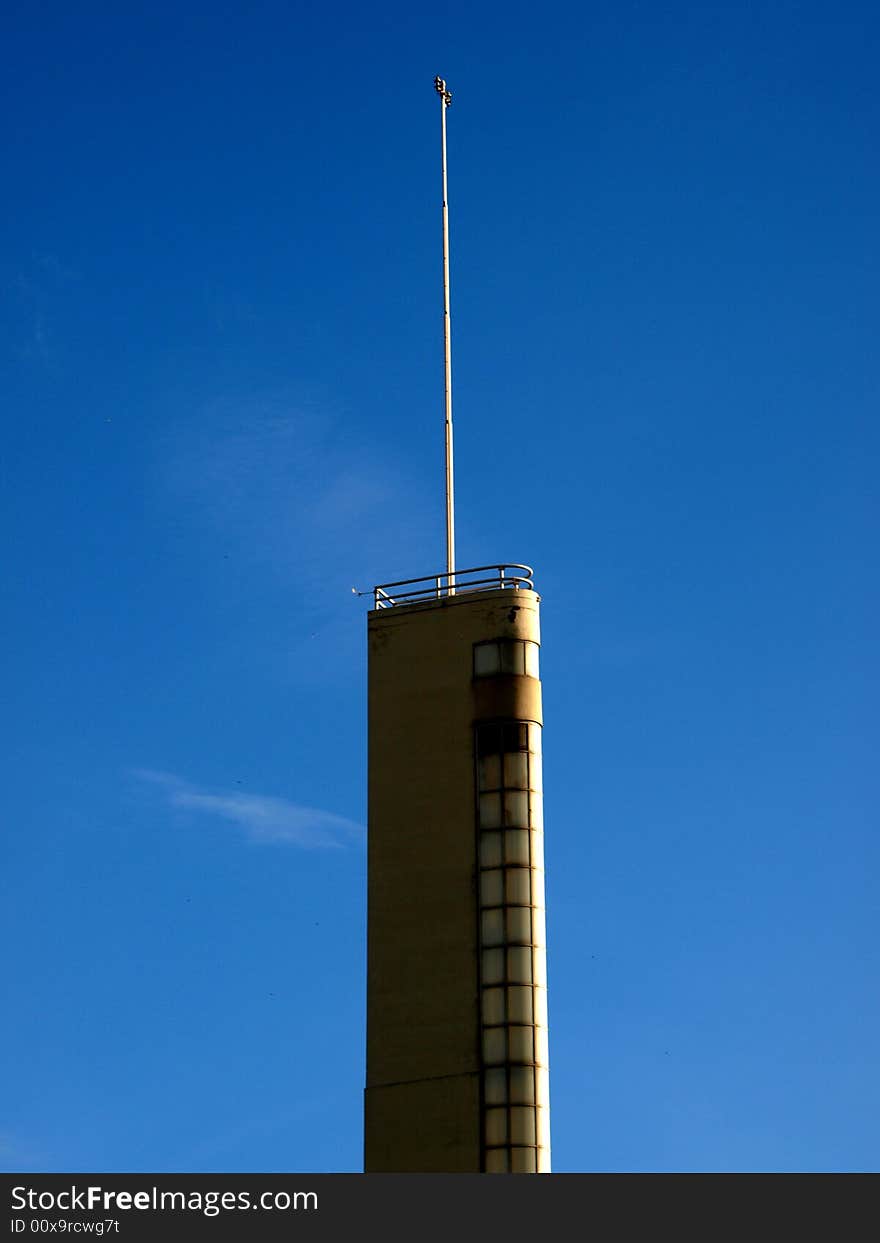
(222, 394)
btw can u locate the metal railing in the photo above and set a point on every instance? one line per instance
(387, 595)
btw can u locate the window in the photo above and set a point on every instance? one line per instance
(514, 657)
(513, 997)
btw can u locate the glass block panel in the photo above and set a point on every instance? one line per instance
(539, 930)
(534, 732)
(536, 810)
(512, 656)
(516, 770)
(542, 1088)
(522, 1125)
(516, 846)
(490, 811)
(490, 850)
(492, 927)
(521, 1046)
(494, 1046)
(516, 808)
(542, 1127)
(517, 886)
(536, 772)
(490, 772)
(519, 1005)
(489, 739)
(519, 925)
(492, 888)
(519, 965)
(523, 1161)
(496, 1126)
(541, 1053)
(532, 660)
(497, 1161)
(543, 1160)
(540, 1004)
(515, 736)
(486, 659)
(493, 969)
(538, 851)
(493, 1006)
(495, 1086)
(540, 966)
(522, 1085)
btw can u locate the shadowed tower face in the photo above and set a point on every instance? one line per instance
(457, 1077)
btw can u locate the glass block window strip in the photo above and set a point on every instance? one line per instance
(506, 656)
(513, 998)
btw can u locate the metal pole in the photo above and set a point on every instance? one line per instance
(445, 101)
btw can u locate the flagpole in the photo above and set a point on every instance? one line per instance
(445, 101)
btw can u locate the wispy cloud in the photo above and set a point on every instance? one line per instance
(286, 481)
(42, 290)
(18, 1154)
(262, 817)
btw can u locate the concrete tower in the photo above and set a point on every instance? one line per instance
(457, 1071)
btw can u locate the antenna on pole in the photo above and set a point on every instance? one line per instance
(445, 101)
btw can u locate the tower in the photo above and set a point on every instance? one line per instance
(457, 1067)
(457, 1077)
